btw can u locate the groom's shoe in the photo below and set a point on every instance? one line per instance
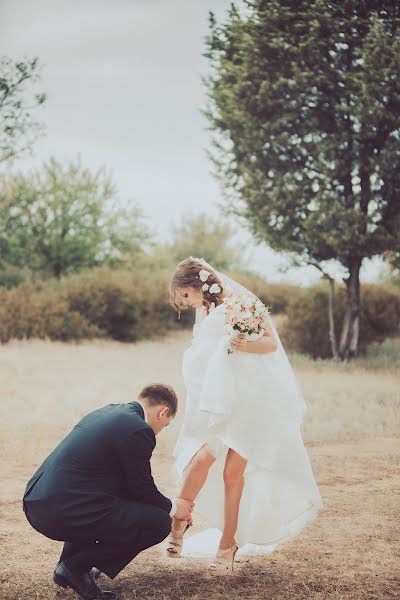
(82, 583)
(95, 573)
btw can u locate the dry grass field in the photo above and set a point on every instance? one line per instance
(351, 551)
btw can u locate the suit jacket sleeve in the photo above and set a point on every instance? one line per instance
(135, 454)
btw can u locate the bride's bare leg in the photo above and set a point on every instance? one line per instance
(234, 482)
(194, 479)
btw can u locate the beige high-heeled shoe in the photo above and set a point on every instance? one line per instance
(224, 559)
(175, 543)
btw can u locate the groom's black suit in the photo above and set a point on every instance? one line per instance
(96, 493)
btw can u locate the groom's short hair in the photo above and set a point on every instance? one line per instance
(158, 393)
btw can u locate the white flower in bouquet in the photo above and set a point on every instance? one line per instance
(245, 314)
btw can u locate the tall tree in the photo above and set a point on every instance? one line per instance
(204, 236)
(305, 107)
(18, 100)
(61, 219)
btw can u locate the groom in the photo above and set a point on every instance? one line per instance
(96, 493)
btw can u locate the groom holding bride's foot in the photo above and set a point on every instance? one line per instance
(96, 493)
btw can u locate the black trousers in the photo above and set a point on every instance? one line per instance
(112, 542)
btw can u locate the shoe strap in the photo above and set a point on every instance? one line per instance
(226, 551)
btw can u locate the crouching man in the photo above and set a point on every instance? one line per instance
(95, 491)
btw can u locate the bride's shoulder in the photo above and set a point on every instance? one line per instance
(217, 309)
(214, 312)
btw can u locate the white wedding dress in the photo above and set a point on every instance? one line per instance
(252, 404)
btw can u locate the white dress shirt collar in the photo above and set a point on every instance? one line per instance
(144, 410)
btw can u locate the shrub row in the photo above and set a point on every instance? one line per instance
(133, 304)
(123, 305)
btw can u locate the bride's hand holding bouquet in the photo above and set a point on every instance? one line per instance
(246, 319)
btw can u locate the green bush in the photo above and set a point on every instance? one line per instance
(27, 313)
(20, 314)
(60, 322)
(133, 304)
(105, 301)
(125, 305)
(11, 277)
(122, 305)
(306, 327)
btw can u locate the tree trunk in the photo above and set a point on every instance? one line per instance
(332, 332)
(57, 270)
(348, 347)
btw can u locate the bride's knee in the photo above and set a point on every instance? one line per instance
(202, 460)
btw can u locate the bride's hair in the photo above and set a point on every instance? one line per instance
(186, 275)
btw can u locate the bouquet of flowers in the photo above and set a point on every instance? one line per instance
(245, 314)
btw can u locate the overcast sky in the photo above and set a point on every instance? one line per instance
(124, 88)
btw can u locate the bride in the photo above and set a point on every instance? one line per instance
(240, 454)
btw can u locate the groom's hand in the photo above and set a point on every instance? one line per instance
(183, 509)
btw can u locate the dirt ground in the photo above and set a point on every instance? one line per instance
(351, 551)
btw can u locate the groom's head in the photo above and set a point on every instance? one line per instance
(161, 403)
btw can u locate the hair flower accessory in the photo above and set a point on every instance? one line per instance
(205, 287)
(204, 275)
(215, 289)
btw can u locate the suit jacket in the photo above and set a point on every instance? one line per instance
(106, 457)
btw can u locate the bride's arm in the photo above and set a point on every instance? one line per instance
(264, 345)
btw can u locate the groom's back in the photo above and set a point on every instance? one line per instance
(97, 433)
(86, 461)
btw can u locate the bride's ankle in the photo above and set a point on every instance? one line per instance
(178, 524)
(226, 543)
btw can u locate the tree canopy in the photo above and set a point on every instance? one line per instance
(204, 236)
(304, 103)
(60, 219)
(18, 101)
